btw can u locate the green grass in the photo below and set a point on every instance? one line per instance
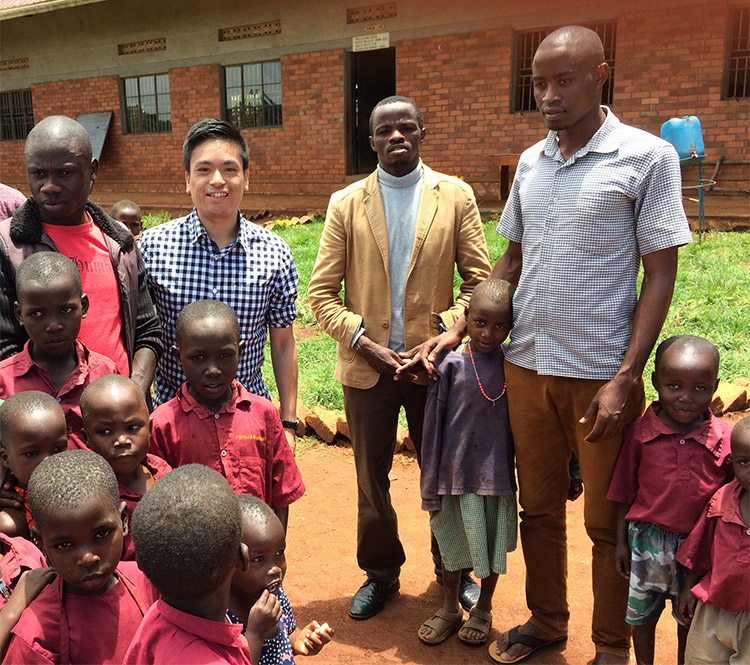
(711, 299)
(155, 219)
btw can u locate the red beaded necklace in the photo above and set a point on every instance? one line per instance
(479, 381)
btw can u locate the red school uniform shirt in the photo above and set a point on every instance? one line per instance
(718, 550)
(244, 441)
(19, 555)
(168, 636)
(668, 477)
(158, 468)
(20, 372)
(101, 329)
(59, 627)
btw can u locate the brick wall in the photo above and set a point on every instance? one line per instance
(668, 64)
(311, 143)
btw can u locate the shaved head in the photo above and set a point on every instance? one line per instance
(583, 42)
(59, 129)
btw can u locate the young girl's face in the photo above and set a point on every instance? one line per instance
(488, 324)
(266, 544)
(116, 425)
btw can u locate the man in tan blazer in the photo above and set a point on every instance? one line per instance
(394, 239)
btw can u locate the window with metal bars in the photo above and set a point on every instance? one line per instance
(147, 104)
(16, 114)
(525, 46)
(252, 94)
(737, 70)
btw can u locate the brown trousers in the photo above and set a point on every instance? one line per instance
(544, 414)
(372, 417)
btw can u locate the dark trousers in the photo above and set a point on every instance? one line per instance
(372, 417)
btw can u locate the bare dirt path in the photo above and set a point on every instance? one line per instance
(322, 575)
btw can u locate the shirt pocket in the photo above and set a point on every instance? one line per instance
(603, 223)
(252, 474)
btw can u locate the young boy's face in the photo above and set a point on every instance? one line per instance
(209, 353)
(84, 544)
(30, 440)
(266, 544)
(51, 313)
(741, 457)
(686, 382)
(116, 425)
(488, 324)
(131, 218)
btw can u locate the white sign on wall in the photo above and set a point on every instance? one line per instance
(371, 42)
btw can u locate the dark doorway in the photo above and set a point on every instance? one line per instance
(372, 77)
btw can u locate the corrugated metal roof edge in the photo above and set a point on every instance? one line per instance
(39, 7)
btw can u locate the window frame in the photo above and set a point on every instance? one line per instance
(521, 92)
(18, 117)
(737, 49)
(266, 114)
(144, 125)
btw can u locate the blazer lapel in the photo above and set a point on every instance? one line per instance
(426, 215)
(375, 212)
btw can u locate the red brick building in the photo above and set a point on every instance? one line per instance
(302, 77)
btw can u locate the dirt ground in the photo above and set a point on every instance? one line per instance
(322, 575)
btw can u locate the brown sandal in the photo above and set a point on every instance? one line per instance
(478, 621)
(443, 624)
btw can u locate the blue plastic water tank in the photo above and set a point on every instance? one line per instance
(685, 135)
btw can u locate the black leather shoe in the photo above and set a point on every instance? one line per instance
(370, 598)
(468, 592)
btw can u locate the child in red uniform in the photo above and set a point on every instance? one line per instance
(32, 427)
(672, 460)
(116, 425)
(264, 536)
(717, 552)
(215, 421)
(90, 613)
(50, 307)
(187, 540)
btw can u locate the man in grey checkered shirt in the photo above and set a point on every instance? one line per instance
(214, 253)
(588, 205)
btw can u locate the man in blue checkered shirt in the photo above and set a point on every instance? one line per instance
(589, 204)
(215, 253)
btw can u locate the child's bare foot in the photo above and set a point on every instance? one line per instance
(603, 658)
(522, 641)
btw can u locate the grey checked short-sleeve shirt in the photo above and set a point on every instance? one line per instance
(583, 225)
(255, 275)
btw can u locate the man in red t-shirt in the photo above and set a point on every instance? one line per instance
(121, 323)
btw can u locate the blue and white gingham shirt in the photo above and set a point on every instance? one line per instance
(255, 275)
(583, 225)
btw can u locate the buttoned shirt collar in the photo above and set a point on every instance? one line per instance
(197, 232)
(188, 403)
(726, 504)
(604, 140)
(708, 434)
(26, 363)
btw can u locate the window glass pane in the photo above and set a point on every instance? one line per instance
(147, 85)
(162, 83)
(271, 72)
(131, 87)
(233, 77)
(252, 75)
(273, 93)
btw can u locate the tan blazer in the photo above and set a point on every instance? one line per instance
(354, 248)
